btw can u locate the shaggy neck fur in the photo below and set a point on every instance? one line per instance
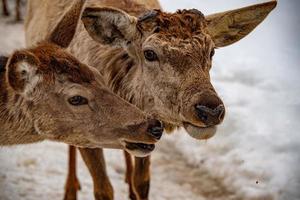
(15, 126)
(121, 72)
(122, 75)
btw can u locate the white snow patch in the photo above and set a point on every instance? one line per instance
(255, 154)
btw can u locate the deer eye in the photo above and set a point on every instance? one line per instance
(212, 53)
(150, 55)
(77, 100)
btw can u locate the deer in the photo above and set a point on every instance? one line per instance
(161, 63)
(47, 94)
(5, 10)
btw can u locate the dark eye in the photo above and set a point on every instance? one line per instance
(150, 55)
(77, 101)
(212, 53)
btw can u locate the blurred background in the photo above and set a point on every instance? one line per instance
(255, 154)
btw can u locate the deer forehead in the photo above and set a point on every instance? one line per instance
(169, 42)
(182, 24)
(56, 63)
(194, 51)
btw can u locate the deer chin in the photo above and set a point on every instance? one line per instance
(139, 149)
(200, 133)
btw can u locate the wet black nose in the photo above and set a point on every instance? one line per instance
(210, 115)
(155, 129)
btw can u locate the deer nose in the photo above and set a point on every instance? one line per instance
(155, 129)
(210, 115)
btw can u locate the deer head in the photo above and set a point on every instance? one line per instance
(67, 101)
(174, 52)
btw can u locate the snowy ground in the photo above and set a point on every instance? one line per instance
(254, 156)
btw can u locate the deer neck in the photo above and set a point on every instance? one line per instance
(123, 75)
(15, 126)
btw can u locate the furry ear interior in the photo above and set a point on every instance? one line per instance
(109, 25)
(229, 27)
(64, 32)
(22, 72)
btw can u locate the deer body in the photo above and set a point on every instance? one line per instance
(159, 62)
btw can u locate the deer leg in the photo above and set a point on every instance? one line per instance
(72, 184)
(142, 177)
(5, 8)
(94, 159)
(18, 12)
(129, 176)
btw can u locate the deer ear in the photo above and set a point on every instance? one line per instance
(229, 27)
(109, 25)
(22, 72)
(65, 30)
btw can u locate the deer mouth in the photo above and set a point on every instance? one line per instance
(139, 149)
(200, 133)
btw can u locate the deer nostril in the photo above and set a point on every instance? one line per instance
(156, 129)
(220, 112)
(202, 112)
(210, 116)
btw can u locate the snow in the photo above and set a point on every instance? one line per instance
(255, 154)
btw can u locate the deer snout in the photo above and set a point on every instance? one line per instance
(210, 110)
(155, 128)
(210, 116)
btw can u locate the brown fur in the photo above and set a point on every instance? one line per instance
(72, 184)
(168, 88)
(102, 189)
(36, 86)
(67, 24)
(129, 175)
(229, 22)
(182, 24)
(54, 61)
(56, 70)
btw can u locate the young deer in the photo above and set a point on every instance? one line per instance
(45, 93)
(159, 62)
